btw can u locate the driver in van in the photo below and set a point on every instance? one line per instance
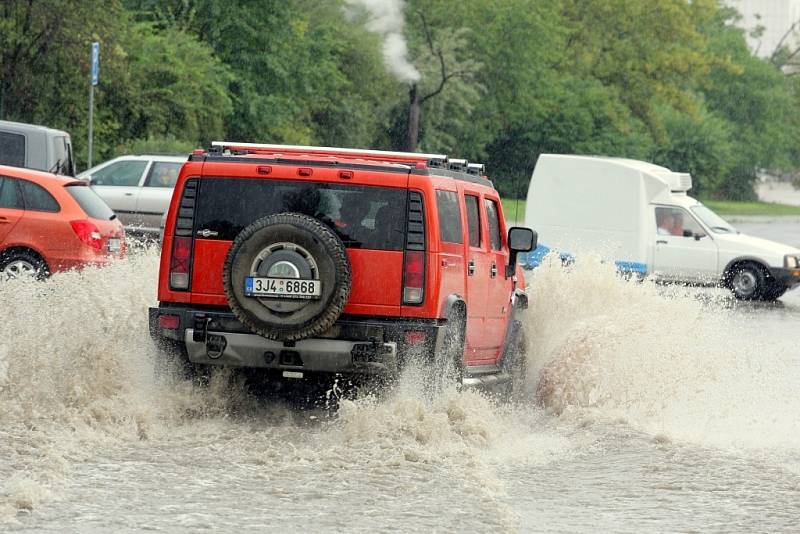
(677, 225)
(665, 222)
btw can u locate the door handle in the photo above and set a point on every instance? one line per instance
(471, 267)
(493, 270)
(128, 194)
(661, 242)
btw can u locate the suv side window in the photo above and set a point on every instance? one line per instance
(121, 173)
(163, 174)
(12, 149)
(493, 221)
(449, 216)
(473, 220)
(37, 198)
(9, 194)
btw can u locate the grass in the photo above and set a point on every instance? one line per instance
(512, 212)
(732, 207)
(722, 207)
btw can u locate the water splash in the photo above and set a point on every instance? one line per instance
(662, 359)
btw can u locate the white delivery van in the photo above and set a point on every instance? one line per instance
(639, 215)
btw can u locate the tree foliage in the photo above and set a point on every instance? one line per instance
(501, 82)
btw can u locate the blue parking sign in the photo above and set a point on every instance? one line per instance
(95, 62)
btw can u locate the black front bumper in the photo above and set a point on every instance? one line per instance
(787, 277)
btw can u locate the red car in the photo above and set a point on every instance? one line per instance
(51, 223)
(306, 261)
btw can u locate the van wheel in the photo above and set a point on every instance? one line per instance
(747, 281)
(288, 246)
(448, 361)
(22, 264)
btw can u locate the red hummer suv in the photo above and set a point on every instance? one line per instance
(309, 260)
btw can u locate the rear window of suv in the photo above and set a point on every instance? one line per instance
(368, 217)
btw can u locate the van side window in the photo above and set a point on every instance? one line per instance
(121, 173)
(9, 194)
(449, 217)
(12, 149)
(473, 220)
(675, 221)
(493, 222)
(37, 198)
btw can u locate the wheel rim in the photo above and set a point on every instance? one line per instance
(19, 269)
(744, 283)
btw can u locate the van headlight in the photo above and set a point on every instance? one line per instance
(791, 261)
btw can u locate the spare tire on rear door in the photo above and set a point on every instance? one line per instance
(287, 277)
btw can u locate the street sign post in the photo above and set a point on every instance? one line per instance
(95, 80)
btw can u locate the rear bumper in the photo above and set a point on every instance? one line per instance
(313, 355)
(354, 344)
(787, 277)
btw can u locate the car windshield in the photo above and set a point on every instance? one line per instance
(714, 222)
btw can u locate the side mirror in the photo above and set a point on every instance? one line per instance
(520, 239)
(698, 236)
(688, 233)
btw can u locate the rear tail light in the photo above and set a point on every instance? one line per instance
(179, 263)
(169, 322)
(414, 277)
(415, 337)
(88, 233)
(414, 259)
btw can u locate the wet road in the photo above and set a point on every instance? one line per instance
(646, 408)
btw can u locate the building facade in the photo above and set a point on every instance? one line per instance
(776, 17)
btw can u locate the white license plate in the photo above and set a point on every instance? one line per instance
(113, 244)
(287, 288)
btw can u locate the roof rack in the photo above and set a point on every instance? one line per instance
(476, 169)
(376, 155)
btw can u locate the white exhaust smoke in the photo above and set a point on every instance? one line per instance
(385, 17)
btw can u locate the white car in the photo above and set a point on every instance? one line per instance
(137, 188)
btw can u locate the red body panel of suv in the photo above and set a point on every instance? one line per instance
(319, 260)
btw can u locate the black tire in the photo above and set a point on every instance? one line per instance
(774, 290)
(172, 360)
(15, 260)
(747, 281)
(323, 257)
(514, 360)
(448, 361)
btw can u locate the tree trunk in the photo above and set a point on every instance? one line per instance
(414, 108)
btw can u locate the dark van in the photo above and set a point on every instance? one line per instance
(36, 147)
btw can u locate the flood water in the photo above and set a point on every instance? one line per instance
(645, 409)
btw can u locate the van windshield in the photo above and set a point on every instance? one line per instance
(62, 152)
(714, 222)
(362, 216)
